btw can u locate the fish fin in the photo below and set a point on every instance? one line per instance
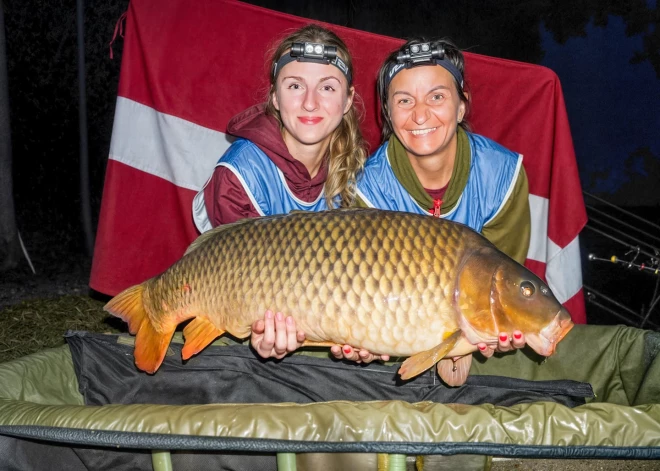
(128, 306)
(311, 343)
(422, 361)
(455, 373)
(198, 334)
(150, 344)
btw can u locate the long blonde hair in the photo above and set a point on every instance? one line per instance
(347, 150)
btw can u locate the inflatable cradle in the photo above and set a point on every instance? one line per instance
(85, 406)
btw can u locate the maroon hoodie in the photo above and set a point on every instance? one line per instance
(225, 198)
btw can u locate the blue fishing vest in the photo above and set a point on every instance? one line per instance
(262, 181)
(493, 173)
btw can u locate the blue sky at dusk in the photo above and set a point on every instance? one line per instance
(613, 105)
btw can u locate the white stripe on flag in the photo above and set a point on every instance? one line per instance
(563, 270)
(163, 145)
(538, 241)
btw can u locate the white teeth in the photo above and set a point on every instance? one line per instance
(419, 132)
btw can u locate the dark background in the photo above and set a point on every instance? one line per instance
(606, 54)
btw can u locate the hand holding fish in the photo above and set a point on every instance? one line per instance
(504, 344)
(346, 352)
(275, 336)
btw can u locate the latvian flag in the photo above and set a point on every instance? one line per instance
(188, 67)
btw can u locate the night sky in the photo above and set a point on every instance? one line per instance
(613, 108)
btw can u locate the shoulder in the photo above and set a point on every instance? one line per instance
(240, 147)
(377, 158)
(375, 165)
(482, 145)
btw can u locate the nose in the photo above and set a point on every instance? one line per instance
(420, 114)
(310, 103)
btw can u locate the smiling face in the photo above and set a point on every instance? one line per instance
(425, 108)
(311, 99)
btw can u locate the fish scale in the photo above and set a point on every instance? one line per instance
(380, 280)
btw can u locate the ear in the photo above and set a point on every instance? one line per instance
(274, 98)
(349, 100)
(461, 111)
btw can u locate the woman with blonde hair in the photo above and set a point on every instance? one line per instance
(301, 150)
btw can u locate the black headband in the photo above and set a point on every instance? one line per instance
(313, 52)
(422, 54)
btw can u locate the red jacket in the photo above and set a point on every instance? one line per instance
(224, 196)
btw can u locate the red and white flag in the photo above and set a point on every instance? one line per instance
(188, 67)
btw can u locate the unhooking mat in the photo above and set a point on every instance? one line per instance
(42, 402)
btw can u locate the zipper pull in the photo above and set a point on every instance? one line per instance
(435, 210)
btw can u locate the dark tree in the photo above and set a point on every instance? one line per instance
(9, 244)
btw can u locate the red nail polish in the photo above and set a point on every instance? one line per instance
(482, 347)
(518, 336)
(503, 338)
(347, 350)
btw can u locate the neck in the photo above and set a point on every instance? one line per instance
(434, 171)
(310, 155)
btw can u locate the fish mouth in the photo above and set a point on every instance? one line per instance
(545, 342)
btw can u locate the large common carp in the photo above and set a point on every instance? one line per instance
(390, 282)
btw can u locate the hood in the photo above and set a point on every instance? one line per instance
(264, 131)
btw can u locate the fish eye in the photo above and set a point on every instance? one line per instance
(526, 289)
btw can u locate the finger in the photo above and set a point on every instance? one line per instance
(268, 340)
(350, 353)
(485, 350)
(385, 357)
(258, 327)
(366, 356)
(518, 339)
(280, 334)
(300, 337)
(503, 342)
(336, 351)
(291, 334)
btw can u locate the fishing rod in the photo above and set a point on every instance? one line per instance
(651, 267)
(640, 241)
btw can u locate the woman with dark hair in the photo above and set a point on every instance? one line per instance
(430, 162)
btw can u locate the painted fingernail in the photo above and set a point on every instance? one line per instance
(504, 337)
(347, 350)
(289, 320)
(482, 347)
(518, 336)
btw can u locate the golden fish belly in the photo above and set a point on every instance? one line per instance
(384, 281)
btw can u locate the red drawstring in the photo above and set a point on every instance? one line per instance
(435, 210)
(118, 27)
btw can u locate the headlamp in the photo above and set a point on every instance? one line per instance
(312, 52)
(422, 54)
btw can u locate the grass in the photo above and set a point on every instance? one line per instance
(33, 325)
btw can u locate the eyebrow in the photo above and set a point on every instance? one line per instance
(300, 79)
(439, 87)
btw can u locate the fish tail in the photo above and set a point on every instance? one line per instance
(151, 342)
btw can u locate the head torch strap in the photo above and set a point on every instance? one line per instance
(313, 52)
(423, 54)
